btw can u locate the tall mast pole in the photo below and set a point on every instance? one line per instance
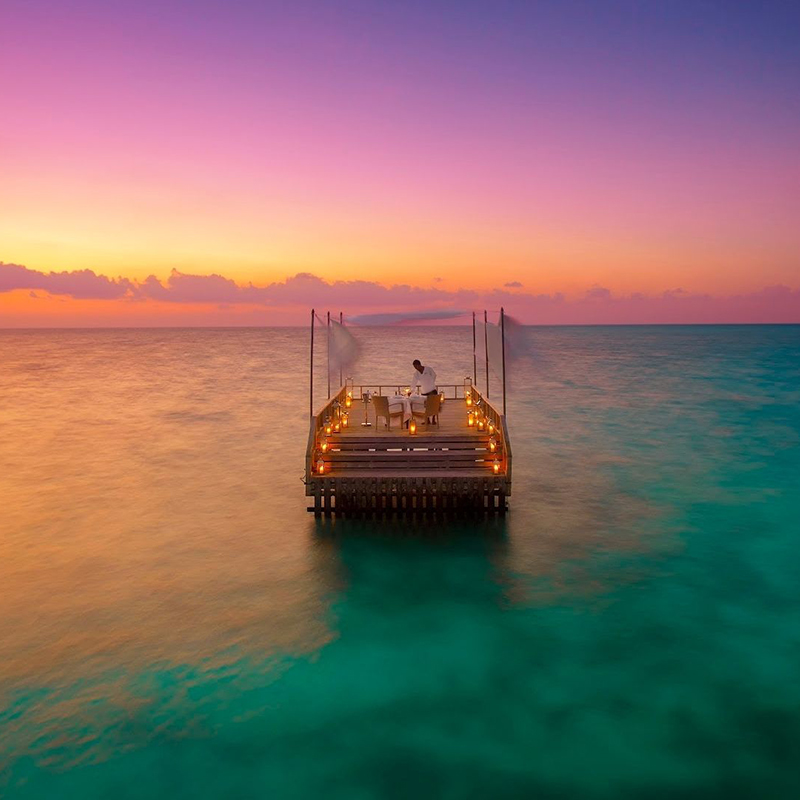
(474, 354)
(341, 381)
(503, 340)
(486, 346)
(329, 355)
(311, 377)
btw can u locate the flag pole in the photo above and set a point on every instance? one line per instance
(311, 378)
(329, 355)
(474, 355)
(486, 346)
(503, 341)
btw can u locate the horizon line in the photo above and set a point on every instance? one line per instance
(395, 327)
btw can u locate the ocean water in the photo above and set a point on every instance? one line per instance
(174, 624)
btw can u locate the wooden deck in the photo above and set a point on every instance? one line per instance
(445, 467)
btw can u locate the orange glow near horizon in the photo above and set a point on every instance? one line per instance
(562, 263)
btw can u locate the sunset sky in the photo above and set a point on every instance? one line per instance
(576, 161)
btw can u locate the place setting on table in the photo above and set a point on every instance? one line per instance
(407, 403)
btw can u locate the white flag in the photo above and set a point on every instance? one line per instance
(344, 349)
(495, 344)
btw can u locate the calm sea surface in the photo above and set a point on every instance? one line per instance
(174, 624)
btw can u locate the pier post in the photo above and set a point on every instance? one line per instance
(503, 345)
(486, 346)
(474, 354)
(311, 380)
(329, 355)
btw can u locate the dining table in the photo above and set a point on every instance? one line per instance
(408, 404)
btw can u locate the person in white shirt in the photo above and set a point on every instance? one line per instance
(425, 378)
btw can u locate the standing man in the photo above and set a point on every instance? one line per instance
(425, 378)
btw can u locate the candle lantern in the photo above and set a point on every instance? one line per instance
(496, 466)
(323, 445)
(471, 419)
(412, 426)
(320, 466)
(348, 400)
(481, 424)
(490, 426)
(345, 419)
(337, 426)
(328, 426)
(492, 444)
(468, 398)
(441, 398)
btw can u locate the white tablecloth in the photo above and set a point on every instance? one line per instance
(408, 404)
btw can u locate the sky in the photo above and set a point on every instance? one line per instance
(202, 163)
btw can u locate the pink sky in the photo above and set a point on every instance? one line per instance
(640, 151)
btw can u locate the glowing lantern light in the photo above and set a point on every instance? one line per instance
(496, 466)
(348, 400)
(338, 426)
(412, 427)
(492, 444)
(470, 419)
(491, 427)
(321, 467)
(328, 425)
(481, 424)
(469, 399)
(345, 420)
(441, 398)
(323, 445)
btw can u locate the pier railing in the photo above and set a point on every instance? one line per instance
(450, 390)
(498, 420)
(331, 411)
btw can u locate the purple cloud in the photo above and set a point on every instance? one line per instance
(513, 285)
(401, 317)
(598, 293)
(302, 289)
(289, 299)
(81, 284)
(183, 288)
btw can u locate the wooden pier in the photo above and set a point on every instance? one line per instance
(451, 467)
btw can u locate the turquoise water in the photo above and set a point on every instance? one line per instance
(174, 624)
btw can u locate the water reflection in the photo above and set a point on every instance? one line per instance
(401, 561)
